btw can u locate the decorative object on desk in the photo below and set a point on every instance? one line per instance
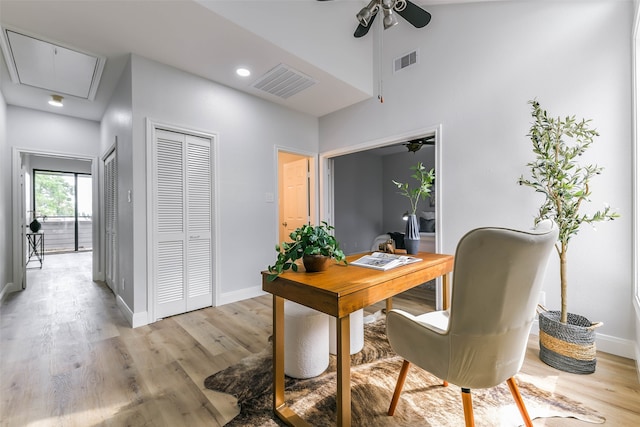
(398, 239)
(425, 178)
(384, 261)
(306, 240)
(412, 235)
(373, 374)
(388, 247)
(556, 173)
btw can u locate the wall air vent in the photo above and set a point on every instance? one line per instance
(283, 81)
(405, 61)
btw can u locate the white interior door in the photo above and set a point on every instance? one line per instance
(199, 249)
(182, 204)
(110, 204)
(296, 194)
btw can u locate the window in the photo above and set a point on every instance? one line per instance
(62, 203)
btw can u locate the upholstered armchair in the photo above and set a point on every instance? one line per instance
(481, 340)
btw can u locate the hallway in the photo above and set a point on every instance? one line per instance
(69, 358)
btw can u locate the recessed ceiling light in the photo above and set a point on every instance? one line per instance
(243, 72)
(56, 100)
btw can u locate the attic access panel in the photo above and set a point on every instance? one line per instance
(41, 64)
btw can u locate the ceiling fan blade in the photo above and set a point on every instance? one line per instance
(362, 30)
(415, 15)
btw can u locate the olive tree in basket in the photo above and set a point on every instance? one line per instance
(557, 174)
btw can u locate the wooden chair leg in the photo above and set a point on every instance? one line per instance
(513, 387)
(396, 394)
(467, 407)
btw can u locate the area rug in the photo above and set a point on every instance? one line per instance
(374, 372)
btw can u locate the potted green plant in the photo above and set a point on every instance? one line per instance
(567, 341)
(314, 244)
(425, 180)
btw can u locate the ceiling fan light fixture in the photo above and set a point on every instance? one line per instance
(56, 101)
(367, 12)
(389, 19)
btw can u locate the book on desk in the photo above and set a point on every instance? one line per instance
(384, 261)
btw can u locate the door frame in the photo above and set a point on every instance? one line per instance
(113, 149)
(19, 206)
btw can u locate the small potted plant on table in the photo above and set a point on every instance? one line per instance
(314, 244)
(567, 341)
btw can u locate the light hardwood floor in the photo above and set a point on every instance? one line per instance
(68, 358)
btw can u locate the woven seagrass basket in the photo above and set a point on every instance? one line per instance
(568, 347)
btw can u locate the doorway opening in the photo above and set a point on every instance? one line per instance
(359, 199)
(296, 192)
(24, 163)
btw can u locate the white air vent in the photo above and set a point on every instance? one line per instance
(405, 61)
(33, 61)
(283, 81)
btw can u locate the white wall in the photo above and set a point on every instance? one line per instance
(6, 253)
(117, 124)
(249, 129)
(479, 65)
(58, 164)
(33, 130)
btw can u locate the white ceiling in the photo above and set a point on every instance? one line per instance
(208, 38)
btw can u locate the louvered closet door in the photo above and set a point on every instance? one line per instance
(110, 204)
(199, 248)
(182, 213)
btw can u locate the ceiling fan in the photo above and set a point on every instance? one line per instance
(416, 144)
(414, 14)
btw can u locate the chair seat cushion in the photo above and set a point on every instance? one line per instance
(437, 321)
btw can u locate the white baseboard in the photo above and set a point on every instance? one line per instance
(135, 319)
(140, 319)
(6, 290)
(229, 297)
(606, 343)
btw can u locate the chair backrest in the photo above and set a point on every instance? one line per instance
(497, 278)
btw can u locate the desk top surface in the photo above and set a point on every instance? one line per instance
(342, 289)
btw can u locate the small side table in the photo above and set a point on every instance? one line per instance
(36, 247)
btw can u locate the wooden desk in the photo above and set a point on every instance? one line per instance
(339, 291)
